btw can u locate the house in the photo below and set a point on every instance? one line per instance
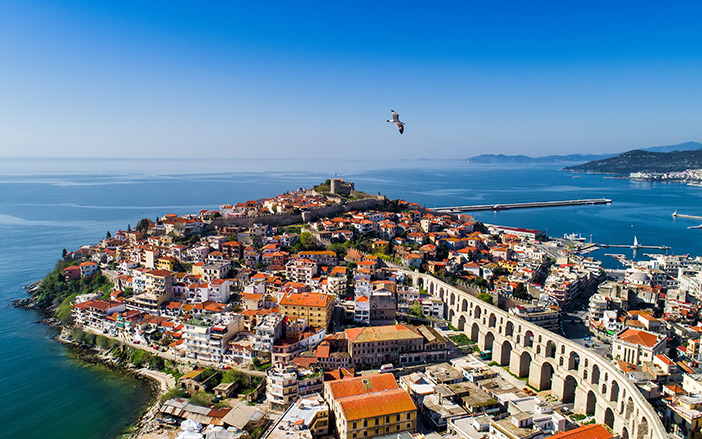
(323, 257)
(93, 313)
(307, 418)
(378, 345)
(315, 308)
(286, 384)
(370, 406)
(208, 338)
(636, 346)
(193, 381)
(592, 431)
(88, 268)
(301, 270)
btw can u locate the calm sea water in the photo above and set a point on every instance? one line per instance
(48, 205)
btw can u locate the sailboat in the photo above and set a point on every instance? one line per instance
(636, 243)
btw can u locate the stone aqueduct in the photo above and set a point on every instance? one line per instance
(573, 373)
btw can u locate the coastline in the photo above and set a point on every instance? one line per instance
(146, 423)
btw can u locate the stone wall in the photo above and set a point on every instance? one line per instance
(287, 219)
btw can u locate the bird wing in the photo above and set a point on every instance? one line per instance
(401, 127)
(395, 116)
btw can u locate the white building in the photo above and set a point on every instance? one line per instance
(268, 329)
(207, 338)
(219, 290)
(636, 346)
(301, 270)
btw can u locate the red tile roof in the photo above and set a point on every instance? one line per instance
(641, 338)
(362, 385)
(593, 431)
(377, 404)
(307, 299)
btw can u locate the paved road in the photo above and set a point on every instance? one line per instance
(575, 326)
(178, 359)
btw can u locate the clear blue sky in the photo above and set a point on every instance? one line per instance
(318, 79)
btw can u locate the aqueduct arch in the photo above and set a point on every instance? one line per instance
(549, 361)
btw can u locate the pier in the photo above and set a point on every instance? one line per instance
(621, 259)
(682, 215)
(532, 205)
(592, 246)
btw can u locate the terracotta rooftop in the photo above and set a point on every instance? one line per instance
(641, 338)
(593, 431)
(307, 299)
(377, 404)
(378, 333)
(362, 385)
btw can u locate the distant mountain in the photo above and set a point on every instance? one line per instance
(643, 161)
(572, 158)
(687, 146)
(523, 159)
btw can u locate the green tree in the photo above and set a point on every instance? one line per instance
(521, 292)
(175, 392)
(442, 252)
(102, 342)
(416, 309)
(109, 235)
(485, 297)
(78, 335)
(143, 225)
(307, 241)
(203, 399)
(339, 249)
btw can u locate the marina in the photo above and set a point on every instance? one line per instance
(591, 247)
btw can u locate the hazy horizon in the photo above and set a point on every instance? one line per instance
(285, 80)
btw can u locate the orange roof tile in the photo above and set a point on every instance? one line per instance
(377, 404)
(593, 431)
(307, 299)
(362, 385)
(641, 338)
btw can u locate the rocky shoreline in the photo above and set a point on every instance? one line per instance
(147, 423)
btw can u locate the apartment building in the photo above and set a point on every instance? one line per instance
(370, 406)
(316, 308)
(207, 338)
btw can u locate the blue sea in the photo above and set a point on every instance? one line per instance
(47, 205)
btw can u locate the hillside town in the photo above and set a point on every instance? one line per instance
(338, 341)
(688, 176)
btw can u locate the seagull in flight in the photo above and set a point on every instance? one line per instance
(396, 121)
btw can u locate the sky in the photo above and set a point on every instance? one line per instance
(313, 79)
